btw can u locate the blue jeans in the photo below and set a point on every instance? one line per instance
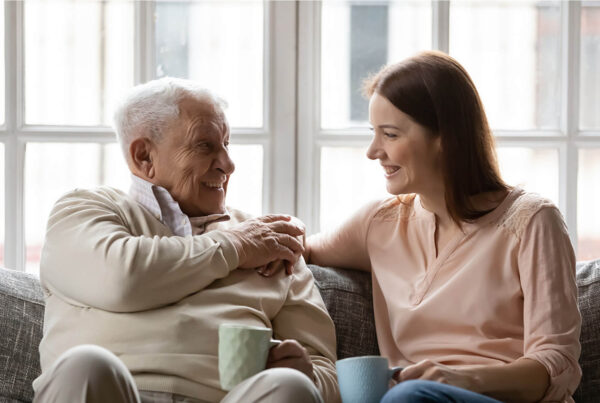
(418, 391)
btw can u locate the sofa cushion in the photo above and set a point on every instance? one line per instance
(21, 316)
(588, 284)
(347, 296)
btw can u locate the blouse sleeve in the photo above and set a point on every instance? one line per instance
(346, 245)
(551, 318)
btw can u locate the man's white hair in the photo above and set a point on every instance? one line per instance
(148, 109)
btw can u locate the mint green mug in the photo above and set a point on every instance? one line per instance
(243, 352)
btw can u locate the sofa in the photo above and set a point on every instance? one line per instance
(347, 295)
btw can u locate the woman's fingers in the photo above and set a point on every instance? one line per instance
(415, 371)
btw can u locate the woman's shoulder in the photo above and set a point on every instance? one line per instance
(395, 208)
(523, 207)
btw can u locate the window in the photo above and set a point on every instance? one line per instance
(512, 52)
(534, 64)
(52, 169)
(77, 60)
(190, 42)
(352, 39)
(291, 73)
(590, 66)
(74, 59)
(2, 63)
(588, 195)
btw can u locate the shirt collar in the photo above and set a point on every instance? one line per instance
(164, 208)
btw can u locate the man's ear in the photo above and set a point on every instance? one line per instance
(141, 152)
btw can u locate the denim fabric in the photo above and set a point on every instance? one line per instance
(419, 391)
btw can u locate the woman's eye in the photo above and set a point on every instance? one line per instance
(389, 135)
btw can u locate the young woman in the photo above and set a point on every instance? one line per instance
(473, 280)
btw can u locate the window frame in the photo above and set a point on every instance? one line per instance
(291, 136)
(276, 136)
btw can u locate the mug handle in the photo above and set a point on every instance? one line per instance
(393, 370)
(273, 343)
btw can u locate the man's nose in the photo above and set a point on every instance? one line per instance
(224, 163)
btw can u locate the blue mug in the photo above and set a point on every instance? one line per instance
(364, 379)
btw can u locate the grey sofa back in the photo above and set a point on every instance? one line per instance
(346, 293)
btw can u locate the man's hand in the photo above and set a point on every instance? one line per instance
(275, 267)
(432, 371)
(291, 354)
(266, 239)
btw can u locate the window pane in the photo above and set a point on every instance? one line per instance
(589, 104)
(2, 63)
(533, 169)
(348, 180)
(53, 169)
(78, 58)
(512, 51)
(218, 44)
(588, 215)
(2, 204)
(357, 39)
(244, 191)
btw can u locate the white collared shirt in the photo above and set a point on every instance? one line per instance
(161, 204)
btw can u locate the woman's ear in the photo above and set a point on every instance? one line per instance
(438, 144)
(141, 152)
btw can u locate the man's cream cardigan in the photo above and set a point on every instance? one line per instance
(115, 276)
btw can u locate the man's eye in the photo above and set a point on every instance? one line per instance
(203, 145)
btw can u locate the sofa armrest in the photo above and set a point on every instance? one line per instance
(21, 320)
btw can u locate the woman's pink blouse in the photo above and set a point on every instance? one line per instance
(503, 289)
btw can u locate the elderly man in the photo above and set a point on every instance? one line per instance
(137, 284)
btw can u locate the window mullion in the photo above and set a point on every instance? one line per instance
(14, 250)
(280, 107)
(441, 25)
(144, 41)
(309, 104)
(570, 113)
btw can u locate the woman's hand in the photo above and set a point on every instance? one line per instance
(291, 354)
(432, 371)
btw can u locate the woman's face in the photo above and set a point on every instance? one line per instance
(407, 151)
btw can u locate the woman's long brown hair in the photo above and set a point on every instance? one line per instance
(437, 92)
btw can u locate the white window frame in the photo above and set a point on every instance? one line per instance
(568, 139)
(277, 136)
(291, 135)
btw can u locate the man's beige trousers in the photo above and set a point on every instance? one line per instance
(93, 374)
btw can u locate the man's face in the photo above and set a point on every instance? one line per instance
(192, 160)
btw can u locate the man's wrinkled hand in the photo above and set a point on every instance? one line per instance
(267, 239)
(291, 354)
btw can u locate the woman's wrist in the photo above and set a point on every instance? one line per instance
(476, 380)
(523, 380)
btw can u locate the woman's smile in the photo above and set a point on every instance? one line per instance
(390, 170)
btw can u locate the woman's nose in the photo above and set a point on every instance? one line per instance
(373, 151)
